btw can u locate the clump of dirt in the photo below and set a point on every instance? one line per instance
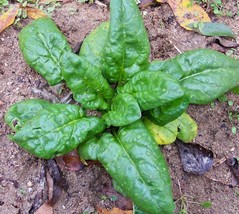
(91, 187)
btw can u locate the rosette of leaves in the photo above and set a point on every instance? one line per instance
(112, 74)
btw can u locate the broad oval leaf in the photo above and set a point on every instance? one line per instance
(86, 82)
(56, 131)
(205, 74)
(19, 113)
(42, 45)
(127, 48)
(136, 164)
(206, 86)
(124, 110)
(92, 48)
(152, 89)
(169, 112)
(193, 62)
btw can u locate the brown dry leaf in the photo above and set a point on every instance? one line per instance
(45, 209)
(115, 210)
(187, 12)
(35, 13)
(70, 161)
(8, 18)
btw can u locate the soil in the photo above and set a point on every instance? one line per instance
(91, 187)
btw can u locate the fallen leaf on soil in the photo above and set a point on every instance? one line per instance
(187, 12)
(226, 43)
(234, 167)
(71, 161)
(45, 209)
(52, 1)
(211, 29)
(55, 182)
(8, 18)
(41, 195)
(195, 158)
(35, 13)
(113, 211)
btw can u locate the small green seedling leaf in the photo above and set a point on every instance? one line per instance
(206, 204)
(230, 103)
(234, 130)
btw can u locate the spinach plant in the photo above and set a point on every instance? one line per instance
(141, 102)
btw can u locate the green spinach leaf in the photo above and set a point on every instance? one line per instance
(124, 110)
(19, 113)
(169, 112)
(152, 89)
(92, 48)
(136, 164)
(127, 48)
(43, 49)
(56, 131)
(86, 82)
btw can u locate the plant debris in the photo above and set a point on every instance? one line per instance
(195, 158)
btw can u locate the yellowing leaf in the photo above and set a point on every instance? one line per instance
(187, 128)
(113, 211)
(163, 135)
(8, 18)
(187, 12)
(35, 13)
(183, 128)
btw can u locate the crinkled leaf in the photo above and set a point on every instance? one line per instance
(193, 62)
(204, 87)
(92, 48)
(124, 110)
(136, 164)
(195, 158)
(212, 29)
(56, 131)
(162, 134)
(19, 113)
(42, 45)
(152, 89)
(205, 74)
(168, 112)
(127, 49)
(86, 82)
(187, 128)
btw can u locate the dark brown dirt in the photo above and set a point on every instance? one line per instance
(19, 174)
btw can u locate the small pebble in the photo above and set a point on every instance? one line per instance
(29, 184)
